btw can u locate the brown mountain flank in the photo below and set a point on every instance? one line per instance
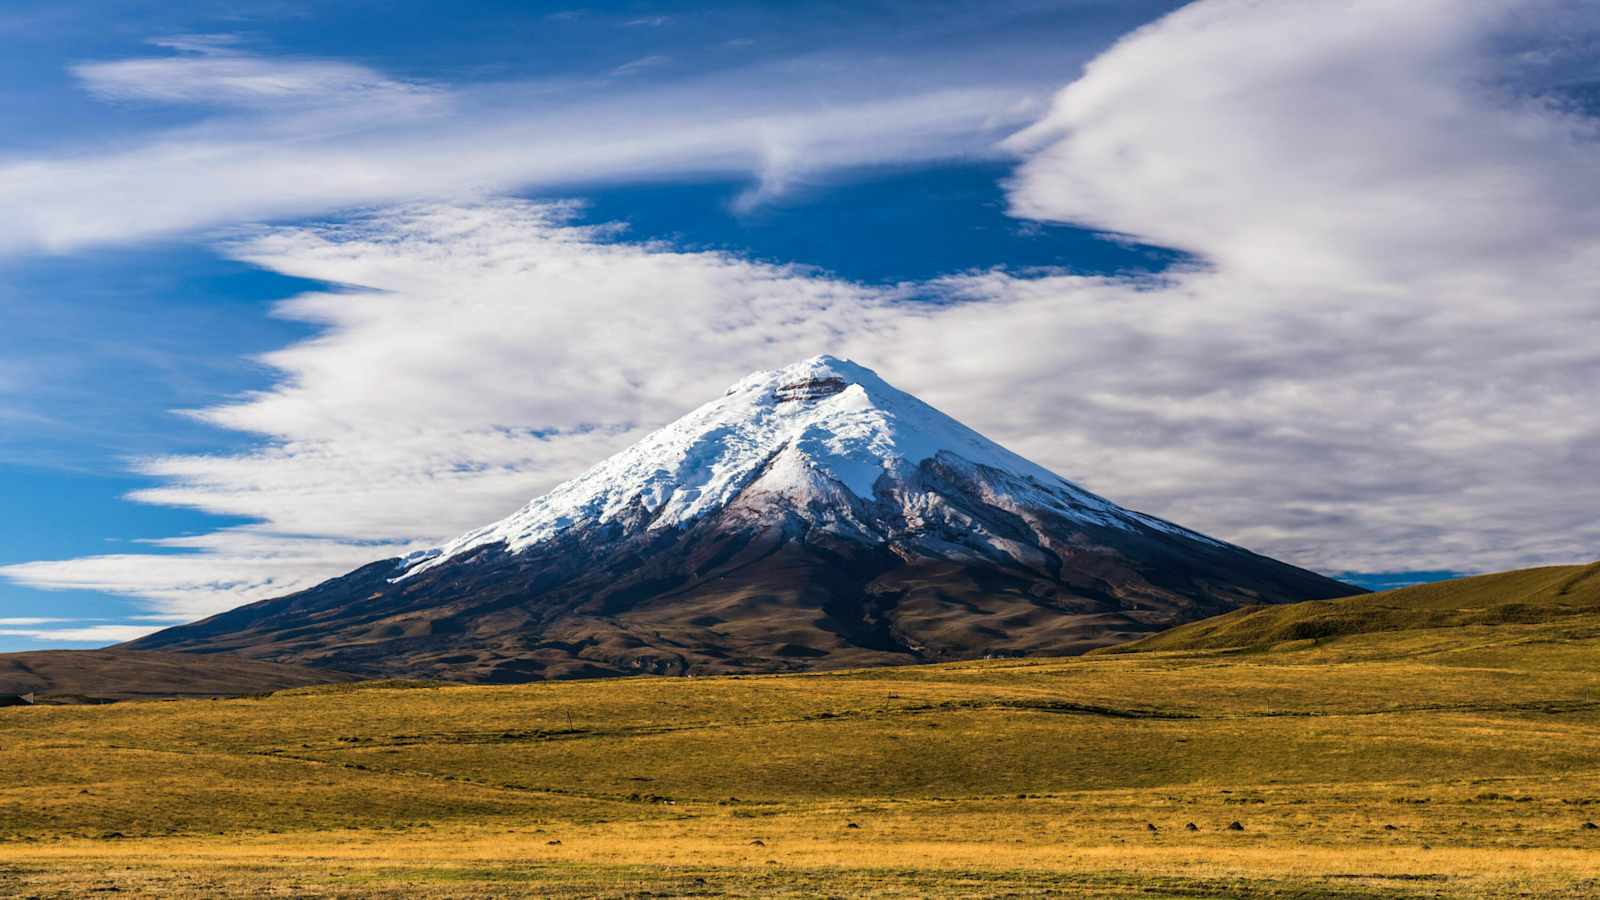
(88, 675)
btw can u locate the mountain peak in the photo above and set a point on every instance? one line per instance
(812, 380)
(793, 436)
(813, 516)
(821, 366)
(818, 438)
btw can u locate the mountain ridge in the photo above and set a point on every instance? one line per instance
(1542, 595)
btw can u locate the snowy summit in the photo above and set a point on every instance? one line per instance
(826, 438)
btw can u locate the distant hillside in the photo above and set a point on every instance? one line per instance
(69, 675)
(1528, 596)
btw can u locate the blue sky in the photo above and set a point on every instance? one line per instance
(115, 344)
(299, 276)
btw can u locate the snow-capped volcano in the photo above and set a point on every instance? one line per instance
(825, 438)
(811, 516)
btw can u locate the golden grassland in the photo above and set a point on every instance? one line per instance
(1434, 762)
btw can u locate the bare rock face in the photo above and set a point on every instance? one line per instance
(810, 389)
(812, 517)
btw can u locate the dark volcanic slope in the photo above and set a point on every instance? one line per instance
(814, 516)
(125, 675)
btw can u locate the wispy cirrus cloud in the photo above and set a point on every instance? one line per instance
(211, 72)
(275, 136)
(85, 634)
(205, 44)
(642, 64)
(207, 179)
(239, 564)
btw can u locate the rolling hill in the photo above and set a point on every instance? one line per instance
(87, 675)
(1549, 595)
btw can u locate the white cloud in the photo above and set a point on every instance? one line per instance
(205, 44)
(278, 137)
(248, 81)
(641, 64)
(87, 634)
(1382, 366)
(220, 570)
(1352, 143)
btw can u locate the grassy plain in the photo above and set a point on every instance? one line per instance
(1451, 761)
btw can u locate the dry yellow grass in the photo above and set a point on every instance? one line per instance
(1443, 762)
(1527, 596)
(801, 856)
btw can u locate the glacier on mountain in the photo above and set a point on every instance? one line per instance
(822, 437)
